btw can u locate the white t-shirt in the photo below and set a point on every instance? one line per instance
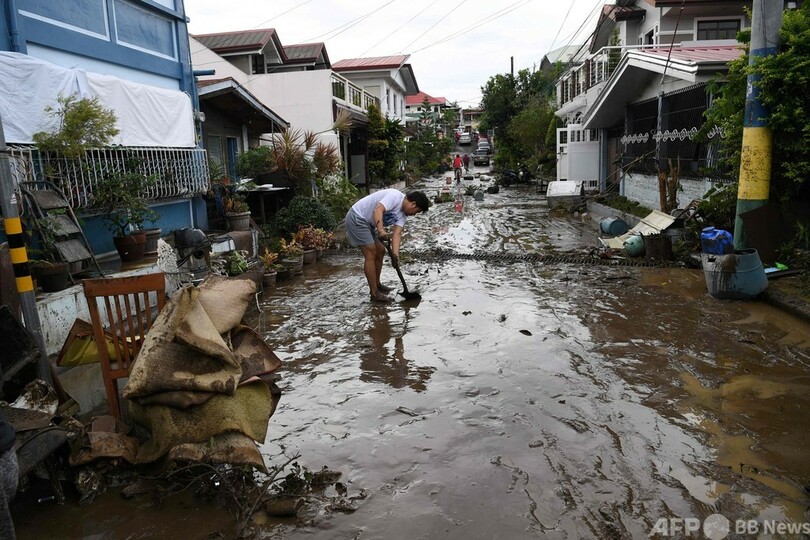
(391, 199)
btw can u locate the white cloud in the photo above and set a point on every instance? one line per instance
(477, 47)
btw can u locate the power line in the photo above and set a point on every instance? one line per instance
(434, 24)
(551, 48)
(400, 28)
(345, 26)
(472, 27)
(280, 14)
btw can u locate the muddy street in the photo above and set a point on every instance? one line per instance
(522, 400)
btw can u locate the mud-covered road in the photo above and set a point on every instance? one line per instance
(526, 400)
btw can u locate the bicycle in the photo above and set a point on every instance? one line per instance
(457, 172)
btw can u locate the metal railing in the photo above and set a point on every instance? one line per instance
(352, 95)
(594, 70)
(181, 172)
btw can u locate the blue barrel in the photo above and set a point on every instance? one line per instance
(735, 276)
(478, 195)
(634, 245)
(613, 226)
(716, 241)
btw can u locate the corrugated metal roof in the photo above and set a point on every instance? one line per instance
(418, 98)
(247, 40)
(695, 55)
(378, 62)
(303, 51)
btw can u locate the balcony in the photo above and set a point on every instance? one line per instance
(182, 172)
(351, 95)
(592, 73)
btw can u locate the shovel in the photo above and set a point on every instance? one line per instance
(404, 293)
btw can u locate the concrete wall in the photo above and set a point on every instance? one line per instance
(644, 190)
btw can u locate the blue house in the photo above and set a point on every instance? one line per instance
(134, 56)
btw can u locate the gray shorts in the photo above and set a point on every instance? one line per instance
(359, 231)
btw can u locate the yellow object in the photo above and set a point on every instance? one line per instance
(80, 346)
(755, 164)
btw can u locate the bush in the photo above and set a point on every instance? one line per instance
(302, 212)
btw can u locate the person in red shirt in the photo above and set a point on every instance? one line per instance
(457, 164)
(466, 160)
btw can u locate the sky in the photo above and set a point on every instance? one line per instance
(455, 46)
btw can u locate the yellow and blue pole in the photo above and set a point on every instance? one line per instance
(755, 160)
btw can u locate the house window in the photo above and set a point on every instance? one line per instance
(144, 30)
(718, 29)
(257, 65)
(214, 147)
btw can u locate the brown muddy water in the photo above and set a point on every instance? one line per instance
(516, 400)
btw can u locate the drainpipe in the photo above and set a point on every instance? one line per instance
(13, 32)
(755, 159)
(19, 259)
(603, 160)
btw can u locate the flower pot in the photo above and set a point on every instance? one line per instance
(319, 254)
(52, 277)
(130, 247)
(152, 237)
(238, 221)
(269, 279)
(283, 273)
(310, 256)
(295, 264)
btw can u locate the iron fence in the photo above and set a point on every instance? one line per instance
(181, 172)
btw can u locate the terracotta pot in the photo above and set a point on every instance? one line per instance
(152, 237)
(52, 277)
(130, 247)
(310, 256)
(238, 221)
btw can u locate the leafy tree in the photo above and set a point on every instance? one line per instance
(426, 151)
(385, 147)
(83, 124)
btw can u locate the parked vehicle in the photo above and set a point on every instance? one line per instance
(485, 146)
(465, 138)
(507, 177)
(480, 157)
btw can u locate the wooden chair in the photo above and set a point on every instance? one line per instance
(127, 314)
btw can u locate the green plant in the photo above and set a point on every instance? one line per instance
(119, 197)
(304, 211)
(312, 237)
(235, 204)
(718, 207)
(268, 259)
(235, 263)
(255, 162)
(291, 249)
(83, 124)
(338, 194)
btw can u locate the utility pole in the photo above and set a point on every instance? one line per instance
(512, 66)
(19, 259)
(755, 159)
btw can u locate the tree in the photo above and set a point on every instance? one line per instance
(426, 151)
(385, 147)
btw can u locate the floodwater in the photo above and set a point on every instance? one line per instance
(516, 399)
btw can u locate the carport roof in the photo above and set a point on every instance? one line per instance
(230, 96)
(640, 68)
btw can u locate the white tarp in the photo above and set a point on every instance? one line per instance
(147, 115)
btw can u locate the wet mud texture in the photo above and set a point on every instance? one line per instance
(525, 400)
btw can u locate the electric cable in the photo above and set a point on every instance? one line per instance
(400, 28)
(434, 24)
(345, 26)
(280, 14)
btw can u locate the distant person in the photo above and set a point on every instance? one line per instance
(365, 227)
(9, 472)
(466, 160)
(457, 164)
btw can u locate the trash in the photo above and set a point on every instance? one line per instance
(80, 346)
(38, 396)
(716, 241)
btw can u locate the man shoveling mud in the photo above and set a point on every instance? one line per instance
(365, 227)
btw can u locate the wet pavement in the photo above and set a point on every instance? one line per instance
(517, 399)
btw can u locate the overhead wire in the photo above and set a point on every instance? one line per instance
(345, 26)
(462, 2)
(400, 28)
(280, 14)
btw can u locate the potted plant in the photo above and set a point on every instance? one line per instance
(51, 272)
(119, 198)
(292, 255)
(235, 263)
(311, 239)
(268, 259)
(237, 213)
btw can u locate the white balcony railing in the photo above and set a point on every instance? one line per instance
(182, 172)
(351, 95)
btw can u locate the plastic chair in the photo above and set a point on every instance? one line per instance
(126, 313)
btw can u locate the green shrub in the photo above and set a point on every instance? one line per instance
(303, 211)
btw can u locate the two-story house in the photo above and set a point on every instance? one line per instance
(133, 55)
(422, 105)
(300, 84)
(389, 78)
(645, 56)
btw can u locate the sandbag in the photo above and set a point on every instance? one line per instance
(254, 354)
(247, 412)
(233, 448)
(226, 300)
(165, 364)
